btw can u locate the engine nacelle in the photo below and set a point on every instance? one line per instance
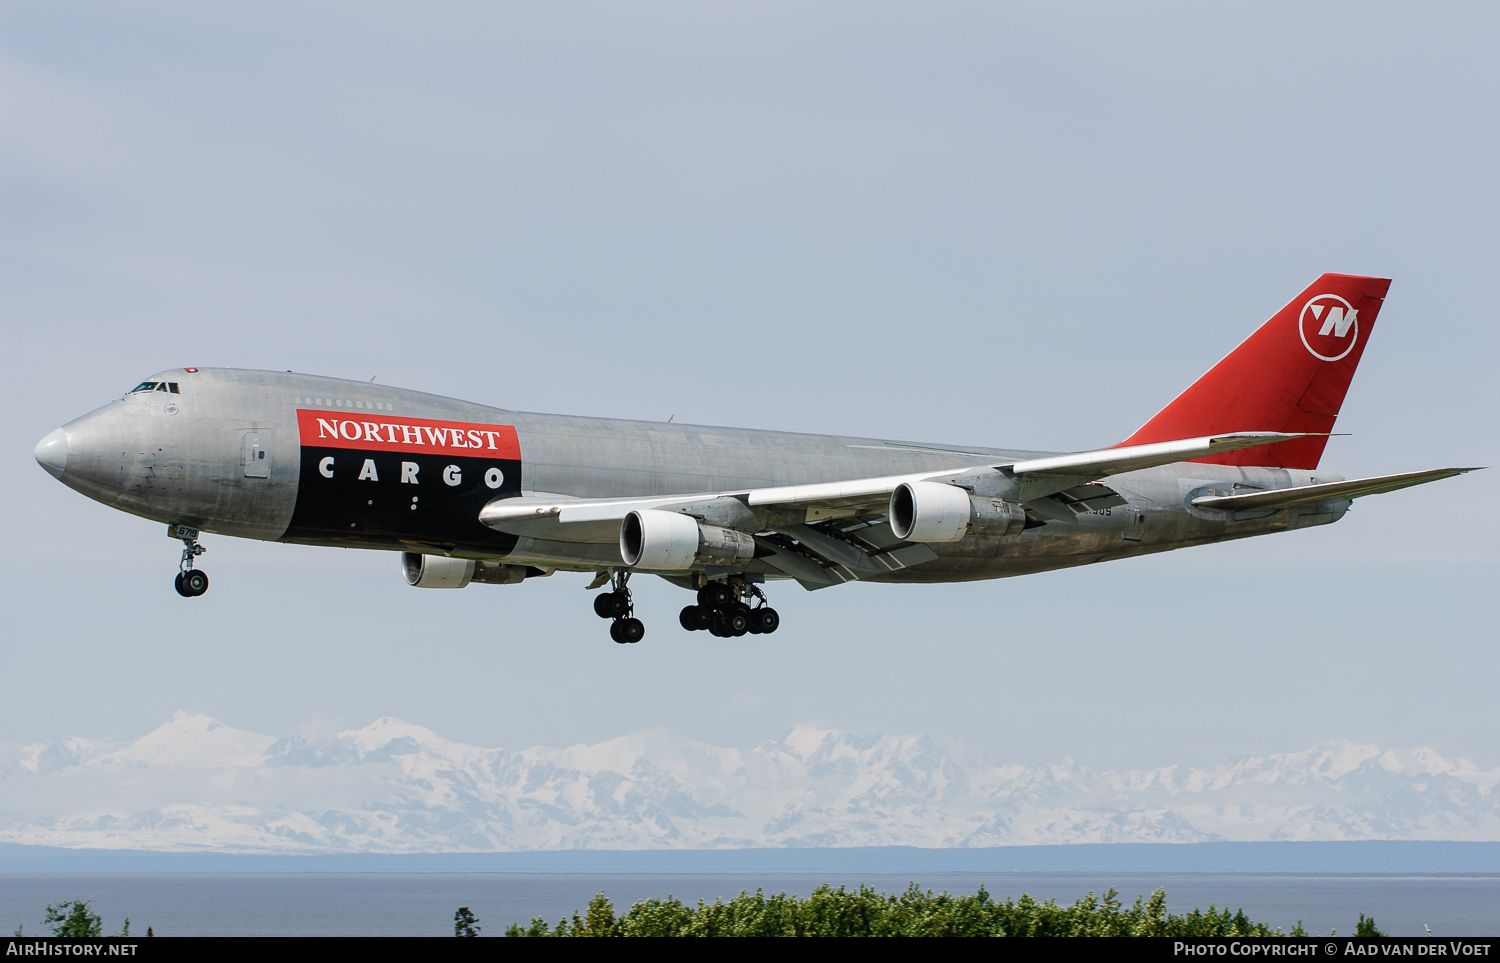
(436, 571)
(995, 516)
(934, 512)
(673, 542)
(441, 571)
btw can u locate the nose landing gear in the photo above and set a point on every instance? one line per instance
(190, 582)
(616, 604)
(723, 614)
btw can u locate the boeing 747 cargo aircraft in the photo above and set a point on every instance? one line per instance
(469, 493)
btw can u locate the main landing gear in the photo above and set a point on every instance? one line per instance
(616, 604)
(190, 582)
(721, 611)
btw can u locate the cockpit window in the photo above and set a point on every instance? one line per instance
(144, 386)
(170, 387)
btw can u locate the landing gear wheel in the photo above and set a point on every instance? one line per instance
(717, 595)
(628, 631)
(764, 621)
(718, 624)
(194, 581)
(694, 617)
(614, 633)
(736, 623)
(604, 605)
(611, 605)
(181, 589)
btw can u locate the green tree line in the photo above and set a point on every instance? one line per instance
(75, 919)
(915, 912)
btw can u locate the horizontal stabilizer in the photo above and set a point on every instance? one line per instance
(1353, 488)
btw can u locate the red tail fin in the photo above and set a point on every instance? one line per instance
(1290, 375)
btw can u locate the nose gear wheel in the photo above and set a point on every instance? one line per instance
(190, 582)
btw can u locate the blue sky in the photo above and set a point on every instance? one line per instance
(983, 224)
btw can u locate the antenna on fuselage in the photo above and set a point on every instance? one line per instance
(372, 379)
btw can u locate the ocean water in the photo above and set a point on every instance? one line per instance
(422, 904)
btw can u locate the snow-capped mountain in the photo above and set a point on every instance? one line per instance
(195, 784)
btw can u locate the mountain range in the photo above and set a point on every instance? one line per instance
(194, 784)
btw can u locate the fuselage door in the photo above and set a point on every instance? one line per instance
(1135, 519)
(255, 454)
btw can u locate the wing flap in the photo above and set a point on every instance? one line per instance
(843, 559)
(1353, 488)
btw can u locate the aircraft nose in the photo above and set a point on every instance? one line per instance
(52, 453)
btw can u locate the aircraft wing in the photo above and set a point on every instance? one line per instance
(1035, 478)
(1114, 461)
(826, 533)
(1303, 494)
(1053, 473)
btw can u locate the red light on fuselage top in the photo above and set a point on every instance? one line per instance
(191, 370)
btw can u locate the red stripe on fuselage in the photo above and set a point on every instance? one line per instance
(368, 432)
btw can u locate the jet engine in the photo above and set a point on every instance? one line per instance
(934, 512)
(673, 542)
(441, 571)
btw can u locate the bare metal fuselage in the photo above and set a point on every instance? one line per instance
(225, 455)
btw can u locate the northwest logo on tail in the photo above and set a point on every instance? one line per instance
(1329, 326)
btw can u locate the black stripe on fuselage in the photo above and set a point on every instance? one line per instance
(382, 499)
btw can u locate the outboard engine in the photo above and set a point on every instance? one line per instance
(934, 512)
(673, 542)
